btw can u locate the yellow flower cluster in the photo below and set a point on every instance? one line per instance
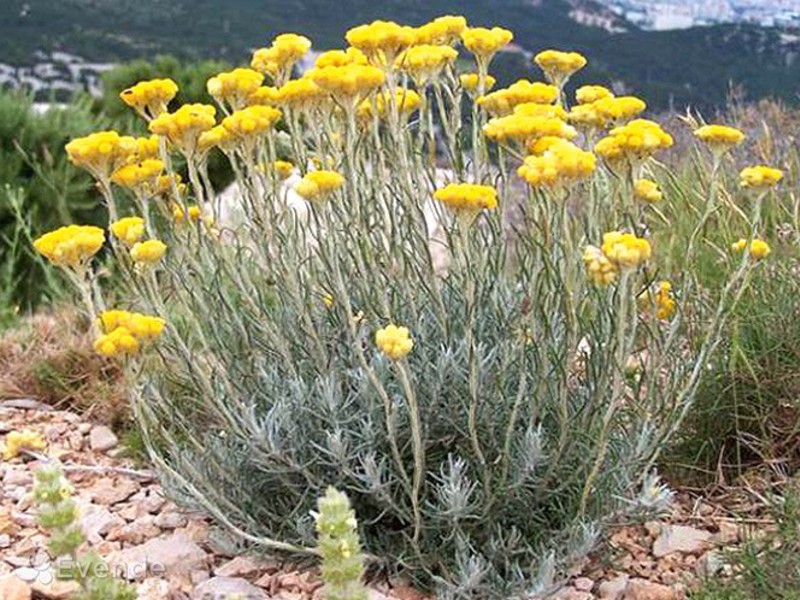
(192, 213)
(140, 176)
(148, 252)
(441, 31)
(625, 250)
(101, 153)
(502, 102)
(467, 197)
(278, 60)
(647, 190)
(71, 246)
(424, 63)
(185, 125)
(340, 58)
(634, 142)
(348, 83)
(588, 94)
(216, 137)
(661, 299)
(598, 266)
(471, 82)
(128, 230)
(381, 41)
(760, 177)
(523, 128)
(251, 122)
(394, 341)
(266, 95)
(234, 88)
(485, 43)
(150, 98)
(16, 441)
(607, 109)
(759, 249)
(283, 168)
(301, 94)
(316, 186)
(123, 332)
(560, 165)
(558, 66)
(720, 138)
(146, 148)
(406, 101)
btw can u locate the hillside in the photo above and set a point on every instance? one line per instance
(691, 66)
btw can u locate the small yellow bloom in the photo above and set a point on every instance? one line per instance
(101, 153)
(124, 332)
(116, 343)
(71, 246)
(22, 440)
(381, 41)
(504, 101)
(394, 342)
(471, 83)
(485, 43)
(444, 30)
(148, 252)
(278, 60)
(598, 267)
(283, 168)
(467, 197)
(301, 94)
(562, 164)
(625, 250)
(720, 138)
(760, 177)
(634, 142)
(425, 63)
(184, 126)
(661, 299)
(150, 98)
(235, 88)
(128, 230)
(759, 249)
(589, 94)
(340, 58)
(348, 83)
(647, 190)
(180, 214)
(523, 128)
(558, 66)
(316, 186)
(406, 101)
(249, 123)
(139, 176)
(618, 108)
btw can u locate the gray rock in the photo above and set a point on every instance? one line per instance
(681, 538)
(613, 589)
(97, 521)
(102, 439)
(219, 588)
(176, 554)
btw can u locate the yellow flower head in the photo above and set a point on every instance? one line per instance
(485, 43)
(148, 252)
(17, 441)
(128, 230)
(619, 108)
(124, 332)
(425, 63)
(467, 197)
(635, 142)
(184, 126)
(316, 186)
(216, 137)
(559, 66)
(759, 249)
(235, 88)
(647, 190)
(720, 138)
(659, 299)
(278, 60)
(760, 178)
(381, 41)
(406, 101)
(561, 165)
(394, 342)
(441, 31)
(625, 250)
(193, 213)
(348, 83)
(146, 148)
(586, 116)
(523, 128)
(502, 102)
(301, 94)
(138, 176)
(472, 83)
(101, 153)
(588, 94)
(283, 168)
(250, 123)
(598, 267)
(265, 96)
(71, 246)
(150, 98)
(340, 58)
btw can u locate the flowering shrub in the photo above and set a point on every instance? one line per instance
(457, 317)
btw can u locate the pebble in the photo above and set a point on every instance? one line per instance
(102, 439)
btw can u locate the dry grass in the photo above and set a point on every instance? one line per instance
(49, 357)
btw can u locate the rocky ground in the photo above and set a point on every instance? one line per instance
(169, 553)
